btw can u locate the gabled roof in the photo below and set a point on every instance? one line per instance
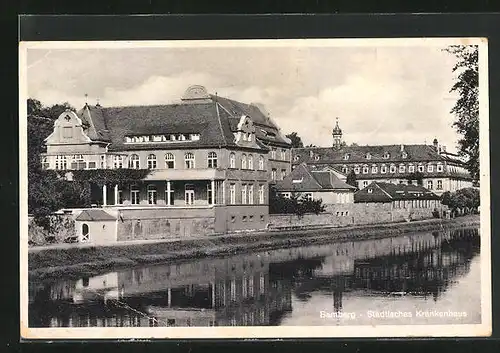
(94, 215)
(387, 192)
(358, 154)
(311, 180)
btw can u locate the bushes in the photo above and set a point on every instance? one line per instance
(463, 201)
(296, 204)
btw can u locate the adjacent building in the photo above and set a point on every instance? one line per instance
(211, 157)
(428, 165)
(327, 185)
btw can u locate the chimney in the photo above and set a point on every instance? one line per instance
(435, 143)
(402, 148)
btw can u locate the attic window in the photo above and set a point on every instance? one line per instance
(316, 157)
(370, 191)
(387, 155)
(162, 138)
(368, 156)
(404, 155)
(346, 156)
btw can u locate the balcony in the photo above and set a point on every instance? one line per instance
(186, 174)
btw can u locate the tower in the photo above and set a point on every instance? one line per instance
(337, 135)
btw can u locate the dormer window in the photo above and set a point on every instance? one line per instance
(370, 191)
(316, 157)
(368, 156)
(346, 156)
(387, 155)
(404, 155)
(296, 158)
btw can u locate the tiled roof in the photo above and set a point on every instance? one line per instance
(94, 215)
(215, 119)
(358, 154)
(386, 192)
(311, 181)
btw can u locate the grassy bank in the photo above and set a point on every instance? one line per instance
(77, 262)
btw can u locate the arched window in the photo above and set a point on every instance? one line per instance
(261, 162)
(152, 195)
(85, 232)
(243, 161)
(250, 162)
(117, 162)
(169, 160)
(232, 160)
(134, 162)
(374, 169)
(365, 169)
(392, 168)
(189, 159)
(212, 160)
(383, 169)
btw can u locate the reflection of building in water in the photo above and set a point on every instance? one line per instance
(254, 289)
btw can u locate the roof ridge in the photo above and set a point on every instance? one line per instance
(311, 175)
(385, 192)
(220, 123)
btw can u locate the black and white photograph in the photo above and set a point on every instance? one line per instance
(255, 188)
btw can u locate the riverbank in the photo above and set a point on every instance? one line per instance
(71, 262)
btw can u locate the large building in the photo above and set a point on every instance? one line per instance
(208, 154)
(439, 170)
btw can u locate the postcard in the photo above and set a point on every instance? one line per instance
(254, 188)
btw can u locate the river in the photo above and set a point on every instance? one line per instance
(418, 278)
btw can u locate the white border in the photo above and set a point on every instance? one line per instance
(483, 329)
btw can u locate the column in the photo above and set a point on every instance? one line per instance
(104, 195)
(223, 193)
(169, 201)
(169, 293)
(213, 192)
(116, 195)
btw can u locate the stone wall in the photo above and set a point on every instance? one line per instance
(63, 226)
(352, 214)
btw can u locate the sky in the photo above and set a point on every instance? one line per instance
(381, 94)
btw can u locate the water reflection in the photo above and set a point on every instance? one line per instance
(259, 288)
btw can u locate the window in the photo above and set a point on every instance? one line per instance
(61, 162)
(357, 169)
(189, 194)
(368, 156)
(365, 169)
(440, 185)
(232, 160)
(273, 174)
(244, 194)
(429, 184)
(370, 191)
(244, 218)
(261, 284)
(250, 194)
(78, 162)
(92, 165)
(232, 194)
(134, 195)
(365, 183)
(261, 162)
(243, 161)
(250, 162)
(346, 156)
(212, 160)
(152, 195)
(404, 155)
(67, 132)
(387, 155)
(402, 168)
(439, 167)
(273, 153)
(103, 162)
(169, 160)
(261, 194)
(117, 162)
(411, 168)
(233, 219)
(308, 196)
(283, 155)
(344, 169)
(151, 161)
(209, 193)
(283, 174)
(383, 169)
(430, 168)
(189, 159)
(420, 168)
(120, 197)
(85, 232)
(392, 169)
(286, 195)
(262, 218)
(134, 162)
(374, 169)
(45, 163)
(296, 158)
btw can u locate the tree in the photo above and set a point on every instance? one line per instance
(352, 179)
(296, 140)
(466, 108)
(465, 200)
